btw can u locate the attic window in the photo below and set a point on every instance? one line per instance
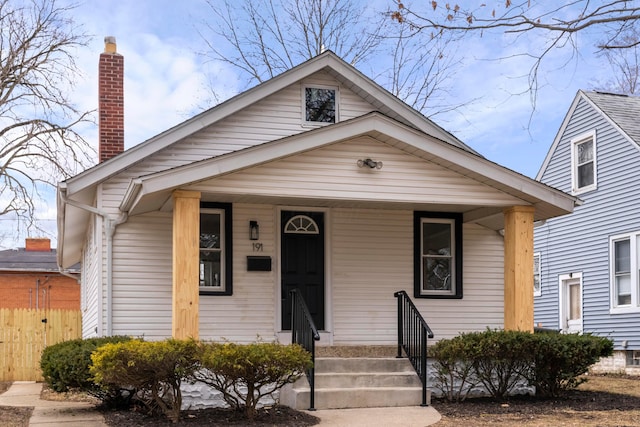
(320, 104)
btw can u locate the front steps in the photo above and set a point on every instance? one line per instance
(358, 382)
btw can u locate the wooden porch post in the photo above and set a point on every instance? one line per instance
(518, 268)
(186, 243)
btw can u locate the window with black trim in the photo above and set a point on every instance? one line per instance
(437, 255)
(215, 249)
(320, 104)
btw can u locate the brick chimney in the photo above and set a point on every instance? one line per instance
(33, 244)
(111, 101)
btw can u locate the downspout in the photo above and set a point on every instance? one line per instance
(109, 226)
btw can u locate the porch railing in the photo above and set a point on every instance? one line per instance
(413, 332)
(305, 333)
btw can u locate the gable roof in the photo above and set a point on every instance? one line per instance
(348, 75)
(622, 112)
(393, 122)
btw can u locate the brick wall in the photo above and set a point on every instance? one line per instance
(110, 102)
(21, 290)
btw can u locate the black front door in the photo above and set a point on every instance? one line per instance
(303, 263)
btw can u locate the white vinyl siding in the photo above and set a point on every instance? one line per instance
(332, 173)
(142, 277)
(367, 268)
(250, 313)
(90, 279)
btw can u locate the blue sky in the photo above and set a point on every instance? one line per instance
(166, 81)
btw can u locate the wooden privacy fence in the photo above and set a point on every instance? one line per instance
(25, 333)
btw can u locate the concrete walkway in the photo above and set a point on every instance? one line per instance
(51, 413)
(48, 413)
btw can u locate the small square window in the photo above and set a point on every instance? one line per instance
(320, 104)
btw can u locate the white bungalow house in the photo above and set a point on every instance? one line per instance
(319, 180)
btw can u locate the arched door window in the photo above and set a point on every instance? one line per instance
(301, 224)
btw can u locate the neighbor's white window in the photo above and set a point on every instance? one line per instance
(320, 104)
(536, 275)
(625, 277)
(583, 163)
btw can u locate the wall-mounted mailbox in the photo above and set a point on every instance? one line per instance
(258, 263)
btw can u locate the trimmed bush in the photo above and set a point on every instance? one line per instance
(500, 360)
(66, 365)
(152, 370)
(454, 373)
(558, 360)
(244, 374)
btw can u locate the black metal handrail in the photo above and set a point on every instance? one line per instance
(413, 332)
(305, 333)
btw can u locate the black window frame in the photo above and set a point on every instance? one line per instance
(228, 248)
(418, 216)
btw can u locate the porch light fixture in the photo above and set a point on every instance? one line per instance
(371, 163)
(254, 230)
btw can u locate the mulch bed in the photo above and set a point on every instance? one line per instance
(274, 416)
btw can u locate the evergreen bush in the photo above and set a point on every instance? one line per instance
(152, 370)
(244, 374)
(66, 365)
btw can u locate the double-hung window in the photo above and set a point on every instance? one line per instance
(537, 289)
(583, 163)
(625, 274)
(320, 104)
(437, 255)
(215, 249)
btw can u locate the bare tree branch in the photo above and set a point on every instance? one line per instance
(262, 38)
(38, 141)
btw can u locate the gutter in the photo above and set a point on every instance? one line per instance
(109, 226)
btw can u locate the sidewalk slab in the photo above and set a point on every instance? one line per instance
(404, 416)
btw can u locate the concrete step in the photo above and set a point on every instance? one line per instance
(366, 379)
(358, 397)
(357, 383)
(362, 364)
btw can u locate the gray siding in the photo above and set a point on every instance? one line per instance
(580, 242)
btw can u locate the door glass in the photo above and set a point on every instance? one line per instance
(574, 301)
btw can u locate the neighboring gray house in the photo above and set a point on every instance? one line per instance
(587, 264)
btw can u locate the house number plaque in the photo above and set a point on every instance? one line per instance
(257, 247)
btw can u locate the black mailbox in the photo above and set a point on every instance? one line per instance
(258, 263)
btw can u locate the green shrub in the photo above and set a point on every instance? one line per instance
(153, 370)
(453, 370)
(499, 360)
(65, 365)
(560, 359)
(246, 373)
